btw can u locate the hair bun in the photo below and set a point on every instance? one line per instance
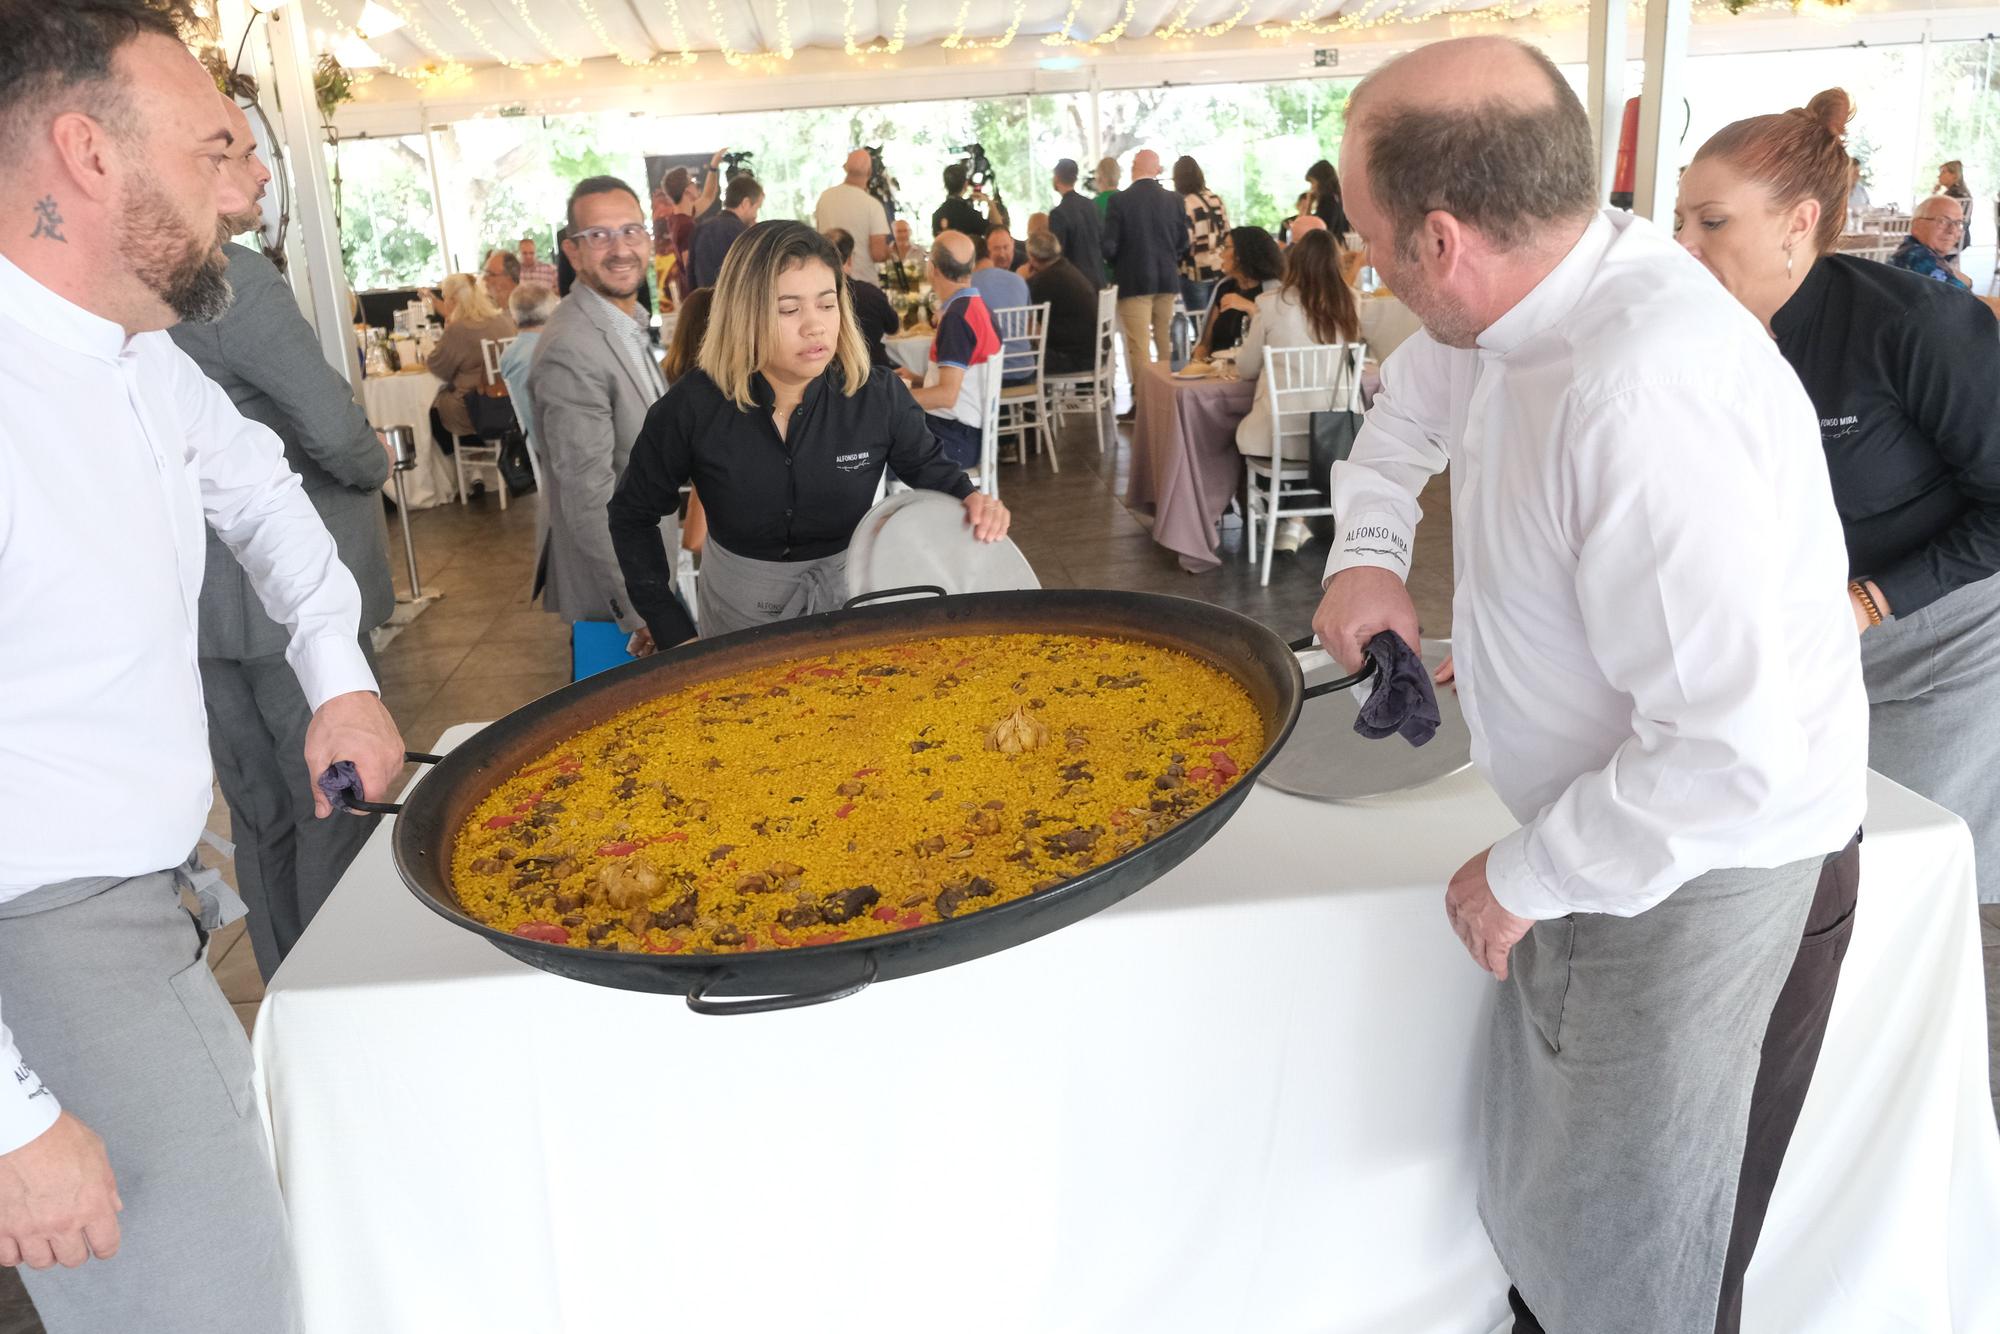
(1832, 110)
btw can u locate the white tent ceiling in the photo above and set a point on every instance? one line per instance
(448, 59)
(535, 32)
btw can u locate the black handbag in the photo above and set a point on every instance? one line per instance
(515, 466)
(1332, 440)
(492, 414)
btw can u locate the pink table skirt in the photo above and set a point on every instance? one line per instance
(1184, 461)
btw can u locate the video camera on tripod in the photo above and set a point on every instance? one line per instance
(979, 174)
(880, 183)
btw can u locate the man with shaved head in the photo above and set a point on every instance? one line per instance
(1146, 231)
(1659, 667)
(848, 207)
(131, 1151)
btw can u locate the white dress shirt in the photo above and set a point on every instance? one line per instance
(113, 449)
(1654, 648)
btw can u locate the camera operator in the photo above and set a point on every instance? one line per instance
(957, 213)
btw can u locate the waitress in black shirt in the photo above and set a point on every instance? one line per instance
(1902, 371)
(785, 434)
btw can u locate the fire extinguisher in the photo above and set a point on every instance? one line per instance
(1628, 156)
(1625, 175)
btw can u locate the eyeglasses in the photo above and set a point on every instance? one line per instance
(1952, 224)
(596, 238)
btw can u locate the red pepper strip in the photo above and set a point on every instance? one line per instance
(829, 671)
(676, 836)
(1200, 773)
(866, 773)
(846, 809)
(1223, 764)
(558, 762)
(618, 849)
(1225, 741)
(502, 821)
(825, 938)
(546, 932)
(523, 807)
(884, 914)
(910, 918)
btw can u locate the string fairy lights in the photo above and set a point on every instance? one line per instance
(892, 46)
(1062, 35)
(958, 41)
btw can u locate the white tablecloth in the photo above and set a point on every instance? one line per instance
(912, 351)
(1243, 1100)
(405, 400)
(1385, 323)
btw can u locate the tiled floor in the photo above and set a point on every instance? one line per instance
(483, 649)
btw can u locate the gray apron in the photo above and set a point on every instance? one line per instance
(1934, 711)
(1617, 1102)
(736, 592)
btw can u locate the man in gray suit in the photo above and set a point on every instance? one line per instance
(595, 376)
(267, 359)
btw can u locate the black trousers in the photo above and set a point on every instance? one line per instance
(1791, 1049)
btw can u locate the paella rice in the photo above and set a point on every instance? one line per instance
(854, 794)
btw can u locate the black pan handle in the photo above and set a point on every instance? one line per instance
(1328, 687)
(699, 1002)
(860, 598)
(346, 803)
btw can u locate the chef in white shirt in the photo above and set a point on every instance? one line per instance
(1658, 667)
(135, 1184)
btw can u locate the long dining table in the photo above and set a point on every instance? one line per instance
(1245, 1099)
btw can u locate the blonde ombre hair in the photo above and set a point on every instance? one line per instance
(745, 307)
(468, 299)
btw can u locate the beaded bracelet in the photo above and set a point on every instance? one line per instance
(1867, 601)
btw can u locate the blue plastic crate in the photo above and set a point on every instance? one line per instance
(596, 646)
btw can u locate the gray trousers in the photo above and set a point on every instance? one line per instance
(287, 861)
(1934, 711)
(111, 1000)
(1617, 1105)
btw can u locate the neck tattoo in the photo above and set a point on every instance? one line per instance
(48, 220)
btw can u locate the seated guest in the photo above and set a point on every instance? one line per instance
(1003, 289)
(716, 233)
(1303, 208)
(501, 274)
(470, 318)
(1934, 232)
(903, 271)
(1072, 300)
(1251, 265)
(782, 353)
(953, 395)
(1037, 222)
(1312, 306)
(1305, 226)
(531, 305)
(874, 315)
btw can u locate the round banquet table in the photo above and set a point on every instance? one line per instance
(912, 352)
(404, 399)
(1246, 1098)
(1185, 466)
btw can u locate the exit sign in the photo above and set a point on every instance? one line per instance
(1326, 57)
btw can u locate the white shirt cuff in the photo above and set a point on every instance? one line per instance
(27, 1107)
(328, 666)
(1514, 883)
(1378, 539)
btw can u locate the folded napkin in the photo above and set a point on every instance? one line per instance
(1403, 699)
(341, 785)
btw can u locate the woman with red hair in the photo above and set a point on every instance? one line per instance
(1901, 370)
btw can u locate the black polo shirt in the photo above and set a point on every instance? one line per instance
(796, 498)
(957, 214)
(1903, 373)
